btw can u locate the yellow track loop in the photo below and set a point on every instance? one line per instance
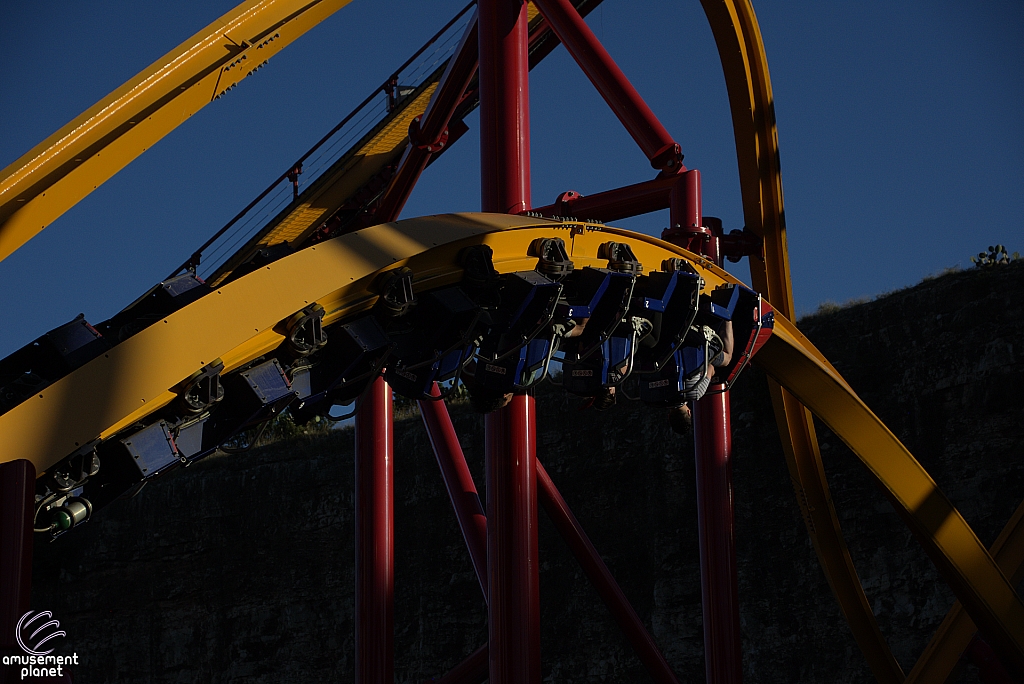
(748, 83)
(236, 323)
(60, 171)
(962, 560)
(952, 637)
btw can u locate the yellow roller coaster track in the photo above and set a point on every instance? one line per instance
(240, 321)
(60, 171)
(236, 322)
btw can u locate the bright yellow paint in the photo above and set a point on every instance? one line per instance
(961, 558)
(332, 189)
(235, 323)
(752, 105)
(58, 172)
(951, 639)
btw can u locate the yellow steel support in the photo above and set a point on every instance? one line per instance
(57, 173)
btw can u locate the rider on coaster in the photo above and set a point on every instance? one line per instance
(680, 418)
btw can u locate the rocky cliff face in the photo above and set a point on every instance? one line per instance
(240, 569)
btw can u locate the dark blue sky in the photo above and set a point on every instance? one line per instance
(901, 128)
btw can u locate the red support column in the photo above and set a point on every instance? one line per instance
(686, 221)
(513, 601)
(375, 537)
(504, 106)
(17, 486)
(513, 608)
(459, 482)
(713, 437)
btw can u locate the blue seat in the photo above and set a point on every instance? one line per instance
(669, 300)
(432, 342)
(416, 382)
(516, 347)
(600, 298)
(674, 382)
(607, 366)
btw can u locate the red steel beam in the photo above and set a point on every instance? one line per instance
(471, 518)
(513, 607)
(474, 669)
(453, 85)
(429, 133)
(434, 138)
(722, 648)
(513, 600)
(470, 514)
(612, 205)
(17, 487)
(661, 149)
(713, 447)
(504, 106)
(375, 536)
(590, 560)
(459, 482)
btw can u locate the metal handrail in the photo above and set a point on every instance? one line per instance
(294, 169)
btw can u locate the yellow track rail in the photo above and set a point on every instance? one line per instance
(60, 171)
(961, 558)
(953, 636)
(752, 105)
(57, 173)
(135, 378)
(240, 321)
